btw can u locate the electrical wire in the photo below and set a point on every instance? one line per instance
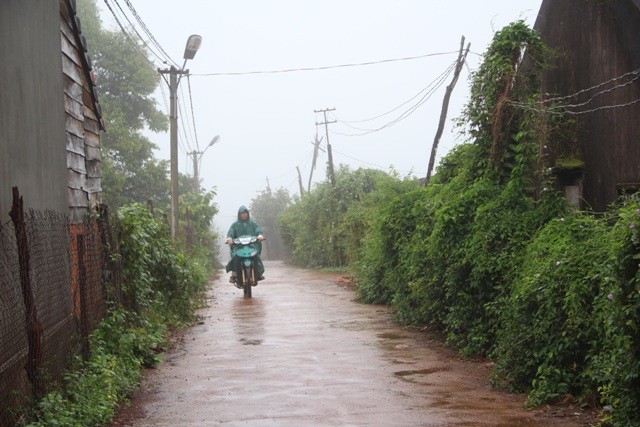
(184, 116)
(562, 98)
(185, 139)
(435, 85)
(193, 116)
(327, 67)
(148, 33)
(445, 73)
(566, 108)
(136, 47)
(139, 37)
(382, 168)
(305, 161)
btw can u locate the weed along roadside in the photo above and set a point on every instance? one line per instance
(302, 351)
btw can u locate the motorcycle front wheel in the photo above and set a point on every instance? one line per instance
(247, 280)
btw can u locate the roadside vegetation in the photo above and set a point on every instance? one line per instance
(163, 281)
(162, 286)
(489, 253)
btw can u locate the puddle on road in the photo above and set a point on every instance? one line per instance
(421, 371)
(248, 320)
(247, 341)
(391, 336)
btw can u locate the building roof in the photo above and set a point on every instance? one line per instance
(87, 63)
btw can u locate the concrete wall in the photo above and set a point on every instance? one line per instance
(32, 120)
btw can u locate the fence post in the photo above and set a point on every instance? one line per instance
(33, 326)
(82, 286)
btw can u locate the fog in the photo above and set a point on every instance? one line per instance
(357, 56)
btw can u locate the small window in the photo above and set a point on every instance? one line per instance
(570, 181)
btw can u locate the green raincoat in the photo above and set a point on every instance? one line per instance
(245, 228)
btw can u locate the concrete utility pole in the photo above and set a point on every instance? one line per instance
(445, 106)
(196, 179)
(193, 44)
(173, 137)
(197, 155)
(332, 175)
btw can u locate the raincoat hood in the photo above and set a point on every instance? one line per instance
(243, 209)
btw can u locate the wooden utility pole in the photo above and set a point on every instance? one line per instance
(316, 147)
(300, 182)
(462, 56)
(332, 175)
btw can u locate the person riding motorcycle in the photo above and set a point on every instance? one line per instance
(244, 226)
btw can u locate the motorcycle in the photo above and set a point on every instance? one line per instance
(246, 249)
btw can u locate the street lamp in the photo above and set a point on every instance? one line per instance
(197, 155)
(193, 44)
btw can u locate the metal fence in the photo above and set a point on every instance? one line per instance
(55, 281)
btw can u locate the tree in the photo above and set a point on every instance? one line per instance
(266, 209)
(126, 80)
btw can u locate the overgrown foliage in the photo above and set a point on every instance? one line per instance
(162, 287)
(324, 229)
(490, 254)
(266, 209)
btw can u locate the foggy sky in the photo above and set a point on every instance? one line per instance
(266, 121)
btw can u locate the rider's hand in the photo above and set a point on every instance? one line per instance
(260, 237)
(229, 241)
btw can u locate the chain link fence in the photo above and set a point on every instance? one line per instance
(55, 281)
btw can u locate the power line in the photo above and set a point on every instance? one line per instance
(441, 77)
(565, 108)
(561, 98)
(382, 168)
(146, 30)
(128, 36)
(184, 133)
(436, 84)
(183, 114)
(136, 31)
(193, 116)
(327, 67)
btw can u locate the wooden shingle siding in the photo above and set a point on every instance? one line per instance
(82, 122)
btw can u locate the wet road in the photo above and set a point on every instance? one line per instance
(302, 352)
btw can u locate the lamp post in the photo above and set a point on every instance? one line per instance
(197, 155)
(193, 44)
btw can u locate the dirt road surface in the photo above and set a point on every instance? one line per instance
(303, 352)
